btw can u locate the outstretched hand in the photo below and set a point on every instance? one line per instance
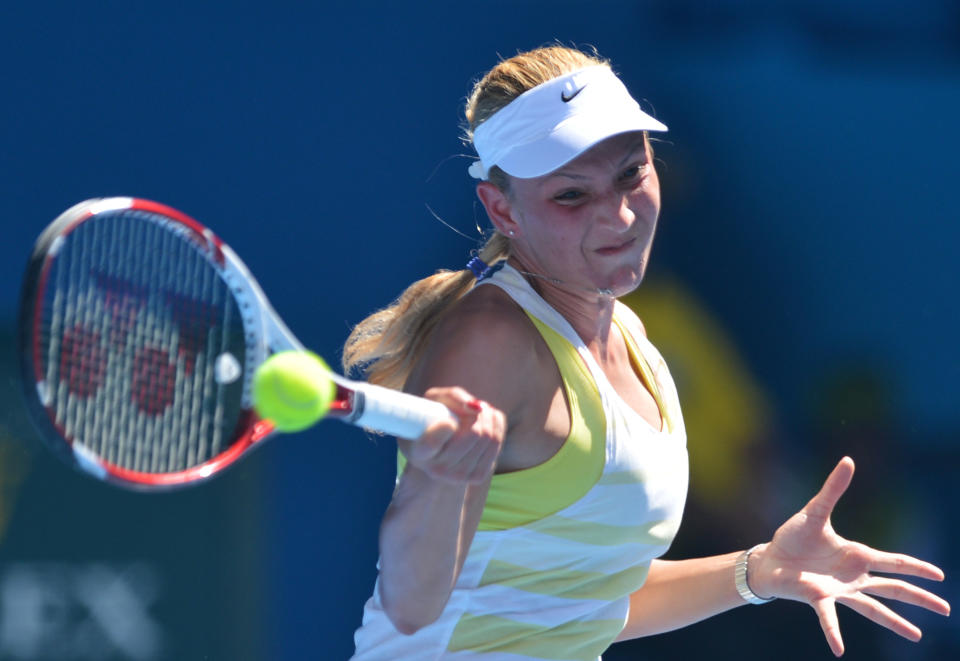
(807, 561)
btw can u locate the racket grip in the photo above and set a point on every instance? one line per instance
(397, 413)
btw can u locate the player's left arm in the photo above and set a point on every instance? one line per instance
(806, 561)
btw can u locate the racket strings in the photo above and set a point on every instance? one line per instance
(133, 320)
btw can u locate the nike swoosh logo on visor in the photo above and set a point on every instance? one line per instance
(568, 99)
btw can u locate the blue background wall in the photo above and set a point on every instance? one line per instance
(810, 219)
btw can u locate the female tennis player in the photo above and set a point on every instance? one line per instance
(532, 529)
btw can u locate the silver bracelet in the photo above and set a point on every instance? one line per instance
(740, 579)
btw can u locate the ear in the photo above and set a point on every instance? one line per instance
(499, 208)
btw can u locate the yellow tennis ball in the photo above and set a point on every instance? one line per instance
(293, 390)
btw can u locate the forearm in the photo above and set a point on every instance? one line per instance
(679, 593)
(424, 538)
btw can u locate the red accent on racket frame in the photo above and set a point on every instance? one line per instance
(254, 430)
(204, 236)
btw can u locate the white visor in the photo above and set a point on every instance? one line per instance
(553, 123)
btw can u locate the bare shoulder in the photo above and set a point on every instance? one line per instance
(481, 344)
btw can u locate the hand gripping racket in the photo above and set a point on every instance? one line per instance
(140, 331)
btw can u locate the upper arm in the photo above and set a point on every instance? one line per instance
(480, 345)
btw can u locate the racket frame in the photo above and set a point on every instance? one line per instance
(255, 324)
(376, 408)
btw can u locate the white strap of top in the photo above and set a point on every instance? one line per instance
(515, 285)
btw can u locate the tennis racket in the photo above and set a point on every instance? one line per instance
(140, 331)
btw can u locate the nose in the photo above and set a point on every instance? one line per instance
(617, 211)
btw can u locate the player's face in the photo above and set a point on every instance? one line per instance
(590, 223)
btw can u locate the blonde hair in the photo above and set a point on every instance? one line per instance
(389, 342)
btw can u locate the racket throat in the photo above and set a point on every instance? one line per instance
(347, 406)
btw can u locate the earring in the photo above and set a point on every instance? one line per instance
(512, 232)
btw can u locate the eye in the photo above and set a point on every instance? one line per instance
(568, 196)
(633, 172)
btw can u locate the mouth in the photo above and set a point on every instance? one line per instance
(616, 248)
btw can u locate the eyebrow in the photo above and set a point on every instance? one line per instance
(568, 175)
(639, 145)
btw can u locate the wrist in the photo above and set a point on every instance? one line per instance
(746, 576)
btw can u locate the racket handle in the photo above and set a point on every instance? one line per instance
(396, 413)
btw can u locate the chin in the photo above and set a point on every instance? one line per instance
(619, 286)
(624, 281)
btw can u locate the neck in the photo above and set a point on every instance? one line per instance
(589, 310)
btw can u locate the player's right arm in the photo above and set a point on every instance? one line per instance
(471, 366)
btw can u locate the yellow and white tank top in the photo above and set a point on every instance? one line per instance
(549, 577)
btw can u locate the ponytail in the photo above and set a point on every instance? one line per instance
(387, 344)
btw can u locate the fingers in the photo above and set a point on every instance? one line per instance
(891, 588)
(821, 506)
(458, 400)
(898, 563)
(479, 464)
(467, 452)
(827, 614)
(473, 451)
(460, 403)
(877, 612)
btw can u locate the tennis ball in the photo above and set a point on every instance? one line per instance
(293, 390)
